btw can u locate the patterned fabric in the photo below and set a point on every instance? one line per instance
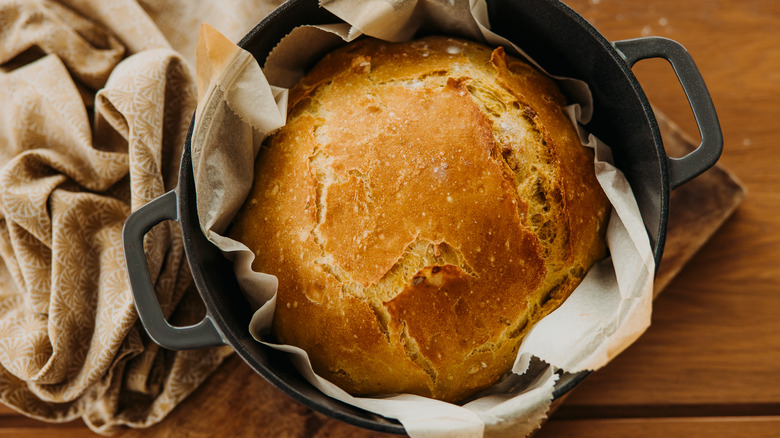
(95, 100)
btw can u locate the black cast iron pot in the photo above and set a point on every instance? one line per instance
(563, 43)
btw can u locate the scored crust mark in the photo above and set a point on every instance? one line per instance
(438, 76)
(320, 162)
(525, 151)
(412, 350)
(417, 256)
(382, 319)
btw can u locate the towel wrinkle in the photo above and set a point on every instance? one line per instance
(95, 101)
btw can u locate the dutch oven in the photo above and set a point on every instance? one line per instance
(552, 34)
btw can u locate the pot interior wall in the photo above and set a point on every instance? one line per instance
(551, 33)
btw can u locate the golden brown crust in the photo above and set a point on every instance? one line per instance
(425, 204)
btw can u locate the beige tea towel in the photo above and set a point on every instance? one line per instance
(95, 100)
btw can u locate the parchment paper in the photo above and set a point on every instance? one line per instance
(238, 107)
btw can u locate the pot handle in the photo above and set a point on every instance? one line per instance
(683, 169)
(201, 335)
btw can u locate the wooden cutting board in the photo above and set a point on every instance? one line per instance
(696, 209)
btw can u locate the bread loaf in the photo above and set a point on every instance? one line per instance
(425, 204)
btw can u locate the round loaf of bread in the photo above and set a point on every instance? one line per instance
(425, 204)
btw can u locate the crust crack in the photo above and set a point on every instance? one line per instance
(524, 152)
(412, 350)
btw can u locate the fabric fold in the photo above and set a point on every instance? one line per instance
(95, 107)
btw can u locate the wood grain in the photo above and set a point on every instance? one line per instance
(697, 208)
(715, 334)
(729, 427)
(713, 346)
(708, 364)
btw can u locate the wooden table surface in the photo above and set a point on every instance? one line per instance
(710, 363)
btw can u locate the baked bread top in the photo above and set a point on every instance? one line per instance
(425, 204)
